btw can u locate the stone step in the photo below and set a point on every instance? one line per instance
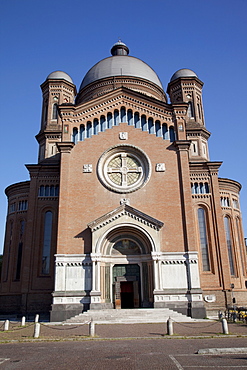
(130, 316)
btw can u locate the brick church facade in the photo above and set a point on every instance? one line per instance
(124, 208)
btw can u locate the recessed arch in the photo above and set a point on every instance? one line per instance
(107, 239)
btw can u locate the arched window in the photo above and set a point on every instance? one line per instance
(95, 126)
(109, 120)
(196, 188)
(52, 191)
(54, 111)
(172, 133)
(157, 129)
(75, 135)
(199, 111)
(144, 123)
(116, 117)
(46, 253)
(229, 245)
(89, 129)
(82, 132)
(192, 188)
(19, 252)
(151, 125)
(130, 117)
(190, 110)
(102, 123)
(165, 132)
(203, 239)
(123, 114)
(6, 265)
(137, 120)
(45, 110)
(56, 190)
(41, 191)
(47, 191)
(202, 188)
(239, 235)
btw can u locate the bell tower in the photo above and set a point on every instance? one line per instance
(57, 89)
(185, 87)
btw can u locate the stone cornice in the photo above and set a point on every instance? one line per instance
(65, 147)
(182, 144)
(194, 128)
(121, 96)
(229, 184)
(18, 188)
(58, 83)
(205, 166)
(125, 210)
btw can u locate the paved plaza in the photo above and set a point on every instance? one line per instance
(127, 354)
(52, 331)
(194, 345)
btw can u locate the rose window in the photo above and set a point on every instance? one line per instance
(123, 168)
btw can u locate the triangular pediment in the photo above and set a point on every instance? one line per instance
(122, 211)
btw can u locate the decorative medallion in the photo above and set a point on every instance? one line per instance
(160, 167)
(88, 168)
(124, 168)
(123, 135)
(125, 201)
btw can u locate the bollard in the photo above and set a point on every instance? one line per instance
(23, 321)
(36, 330)
(224, 326)
(169, 327)
(36, 318)
(6, 325)
(92, 329)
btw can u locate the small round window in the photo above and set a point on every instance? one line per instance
(123, 168)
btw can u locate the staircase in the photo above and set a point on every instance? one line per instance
(129, 316)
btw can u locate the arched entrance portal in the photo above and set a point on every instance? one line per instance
(127, 273)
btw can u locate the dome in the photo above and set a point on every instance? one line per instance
(59, 75)
(184, 72)
(120, 64)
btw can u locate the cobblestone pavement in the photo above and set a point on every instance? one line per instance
(79, 332)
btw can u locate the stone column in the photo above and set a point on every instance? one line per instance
(157, 270)
(95, 293)
(93, 275)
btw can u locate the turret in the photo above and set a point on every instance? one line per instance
(57, 89)
(186, 87)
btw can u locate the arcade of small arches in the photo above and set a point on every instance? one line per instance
(48, 191)
(105, 122)
(200, 188)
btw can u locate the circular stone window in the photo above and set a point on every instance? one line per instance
(124, 168)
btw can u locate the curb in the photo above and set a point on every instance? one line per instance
(221, 350)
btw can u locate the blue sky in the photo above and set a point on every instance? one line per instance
(38, 37)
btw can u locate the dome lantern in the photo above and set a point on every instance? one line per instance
(119, 49)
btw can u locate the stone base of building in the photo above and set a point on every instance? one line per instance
(62, 312)
(101, 306)
(25, 304)
(188, 303)
(68, 304)
(219, 300)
